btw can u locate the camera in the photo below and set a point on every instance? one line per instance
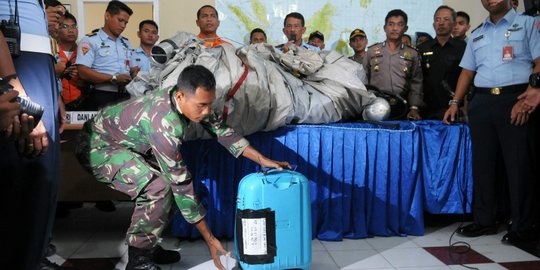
(12, 33)
(27, 106)
(534, 80)
(66, 75)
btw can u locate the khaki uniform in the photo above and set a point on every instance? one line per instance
(398, 72)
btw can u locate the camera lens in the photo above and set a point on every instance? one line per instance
(31, 108)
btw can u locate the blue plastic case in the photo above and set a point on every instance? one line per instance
(273, 221)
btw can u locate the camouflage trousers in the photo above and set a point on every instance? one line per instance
(129, 173)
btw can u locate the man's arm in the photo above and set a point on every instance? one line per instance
(416, 93)
(465, 79)
(531, 96)
(93, 76)
(251, 153)
(30, 140)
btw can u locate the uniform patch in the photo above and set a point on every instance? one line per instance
(478, 38)
(84, 50)
(537, 25)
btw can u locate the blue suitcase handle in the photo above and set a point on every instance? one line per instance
(266, 170)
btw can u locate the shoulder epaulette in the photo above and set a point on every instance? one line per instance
(477, 28)
(125, 38)
(412, 47)
(91, 34)
(374, 45)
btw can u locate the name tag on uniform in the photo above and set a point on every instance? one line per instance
(508, 53)
(478, 38)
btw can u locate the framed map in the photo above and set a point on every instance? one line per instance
(335, 19)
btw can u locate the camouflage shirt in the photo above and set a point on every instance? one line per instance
(151, 123)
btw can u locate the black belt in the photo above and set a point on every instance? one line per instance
(511, 89)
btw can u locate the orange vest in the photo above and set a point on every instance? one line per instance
(211, 44)
(70, 90)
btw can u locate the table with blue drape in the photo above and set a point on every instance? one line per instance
(365, 179)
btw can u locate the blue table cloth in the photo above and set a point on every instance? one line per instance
(365, 179)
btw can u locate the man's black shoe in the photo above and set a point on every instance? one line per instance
(48, 265)
(140, 259)
(475, 230)
(515, 237)
(162, 256)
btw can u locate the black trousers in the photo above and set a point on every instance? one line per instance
(95, 99)
(494, 137)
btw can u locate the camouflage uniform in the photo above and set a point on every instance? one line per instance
(398, 72)
(122, 137)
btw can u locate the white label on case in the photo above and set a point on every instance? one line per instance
(254, 235)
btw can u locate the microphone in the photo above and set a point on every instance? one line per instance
(293, 37)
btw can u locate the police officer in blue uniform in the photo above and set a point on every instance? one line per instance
(148, 34)
(30, 166)
(500, 56)
(103, 60)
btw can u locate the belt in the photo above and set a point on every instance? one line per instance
(511, 89)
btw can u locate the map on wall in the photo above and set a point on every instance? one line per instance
(335, 19)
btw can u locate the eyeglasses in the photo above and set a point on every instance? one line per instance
(67, 26)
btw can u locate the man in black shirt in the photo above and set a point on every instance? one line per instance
(440, 64)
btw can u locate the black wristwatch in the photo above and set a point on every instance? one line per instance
(534, 80)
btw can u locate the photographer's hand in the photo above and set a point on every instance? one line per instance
(8, 110)
(34, 143)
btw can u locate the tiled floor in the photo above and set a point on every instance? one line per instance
(93, 240)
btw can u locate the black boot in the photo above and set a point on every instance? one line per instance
(162, 256)
(140, 259)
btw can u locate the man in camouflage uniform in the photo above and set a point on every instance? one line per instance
(394, 67)
(123, 136)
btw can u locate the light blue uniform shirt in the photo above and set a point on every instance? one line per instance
(484, 52)
(31, 16)
(141, 60)
(105, 55)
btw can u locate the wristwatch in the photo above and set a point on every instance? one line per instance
(453, 101)
(113, 79)
(534, 80)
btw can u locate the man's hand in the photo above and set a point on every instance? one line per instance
(519, 115)
(123, 79)
(31, 141)
(450, 114)
(413, 115)
(279, 165)
(531, 99)
(8, 110)
(54, 15)
(215, 250)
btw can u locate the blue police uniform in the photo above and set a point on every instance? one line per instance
(29, 185)
(140, 59)
(103, 54)
(501, 55)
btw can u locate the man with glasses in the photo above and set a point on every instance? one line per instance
(394, 67)
(67, 50)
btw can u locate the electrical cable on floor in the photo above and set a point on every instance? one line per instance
(453, 248)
